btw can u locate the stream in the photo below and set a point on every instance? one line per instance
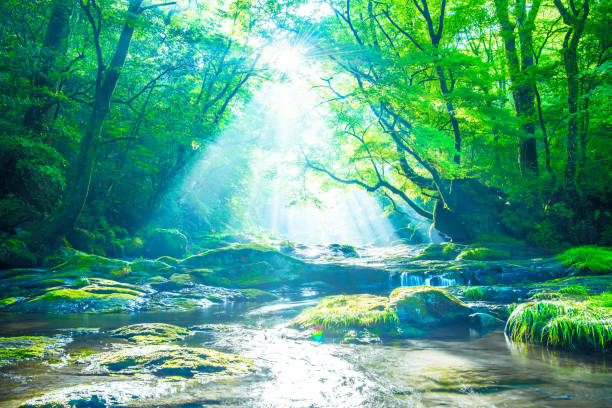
(451, 368)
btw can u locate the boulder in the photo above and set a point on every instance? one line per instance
(165, 242)
(427, 306)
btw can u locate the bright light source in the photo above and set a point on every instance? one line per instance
(285, 58)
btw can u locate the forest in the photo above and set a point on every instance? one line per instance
(305, 203)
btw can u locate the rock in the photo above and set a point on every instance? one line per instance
(344, 250)
(427, 306)
(436, 237)
(16, 349)
(257, 295)
(165, 242)
(100, 296)
(483, 254)
(168, 361)
(336, 315)
(92, 265)
(15, 254)
(485, 320)
(151, 333)
(147, 268)
(81, 240)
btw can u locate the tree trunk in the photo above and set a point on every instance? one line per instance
(520, 77)
(81, 175)
(54, 46)
(575, 19)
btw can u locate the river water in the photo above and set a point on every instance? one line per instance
(459, 368)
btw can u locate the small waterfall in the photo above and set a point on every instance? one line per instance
(415, 280)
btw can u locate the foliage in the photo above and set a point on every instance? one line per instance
(343, 312)
(483, 254)
(475, 293)
(588, 259)
(562, 324)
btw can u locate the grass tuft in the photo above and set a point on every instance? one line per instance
(563, 324)
(475, 294)
(588, 259)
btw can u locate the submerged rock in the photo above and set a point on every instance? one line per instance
(168, 361)
(427, 306)
(151, 333)
(15, 349)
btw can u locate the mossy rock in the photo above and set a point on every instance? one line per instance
(145, 267)
(81, 240)
(344, 250)
(170, 361)
(166, 242)
(101, 295)
(438, 252)
(336, 315)
(151, 333)
(240, 254)
(93, 265)
(15, 349)
(563, 324)
(427, 306)
(483, 254)
(475, 293)
(168, 260)
(15, 254)
(258, 295)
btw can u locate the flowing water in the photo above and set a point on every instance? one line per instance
(454, 369)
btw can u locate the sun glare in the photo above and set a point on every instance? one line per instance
(286, 58)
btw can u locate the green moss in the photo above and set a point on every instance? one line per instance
(588, 259)
(52, 282)
(596, 282)
(14, 349)
(258, 295)
(563, 324)
(151, 333)
(483, 254)
(251, 279)
(576, 290)
(349, 312)
(436, 251)
(7, 301)
(168, 260)
(475, 294)
(171, 361)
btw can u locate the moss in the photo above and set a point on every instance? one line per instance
(182, 278)
(120, 272)
(147, 267)
(258, 295)
(168, 260)
(52, 282)
(7, 301)
(151, 333)
(110, 290)
(594, 283)
(475, 294)
(255, 278)
(483, 254)
(437, 251)
(576, 290)
(90, 264)
(339, 313)
(166, 242)
(588, 259)
(563, 324)
(14, 349)
(171, 361)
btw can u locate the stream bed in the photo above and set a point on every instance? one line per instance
(454, 368)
